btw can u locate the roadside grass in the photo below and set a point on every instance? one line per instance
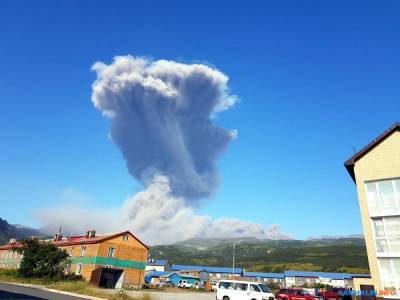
(74, 286)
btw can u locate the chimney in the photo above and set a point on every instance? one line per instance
(57, 237)
(90, 233)
(12, 241)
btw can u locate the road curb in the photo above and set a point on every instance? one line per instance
(41, 287)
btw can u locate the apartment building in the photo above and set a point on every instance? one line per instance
(107, 260)
(376, 172)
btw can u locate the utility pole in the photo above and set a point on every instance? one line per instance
(233, 261)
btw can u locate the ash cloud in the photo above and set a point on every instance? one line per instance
(161, 120)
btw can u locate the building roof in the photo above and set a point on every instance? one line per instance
(82, 239)
(180, 275)
(336, 276)
(207, 269)
(349, 164)
(158, 262)
(156, 274)
(264, 275)
(11, 246)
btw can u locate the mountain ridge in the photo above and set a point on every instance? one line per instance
(17, 231)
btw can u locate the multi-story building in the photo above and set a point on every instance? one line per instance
(376, 172)
(106, 260)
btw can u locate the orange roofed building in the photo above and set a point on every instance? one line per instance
(107, 260)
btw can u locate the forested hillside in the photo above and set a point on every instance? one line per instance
(331, 255)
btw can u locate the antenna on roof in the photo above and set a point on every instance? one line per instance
(354, 150)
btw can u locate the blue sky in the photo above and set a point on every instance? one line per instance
(315, 79)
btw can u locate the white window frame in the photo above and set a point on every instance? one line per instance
(83, 250)
(125, 237)
(79, 268)
(381, 211)
(71, 251)
(111, 252)
(396, 280)
(389, 253)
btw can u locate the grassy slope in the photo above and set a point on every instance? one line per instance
(347, 255)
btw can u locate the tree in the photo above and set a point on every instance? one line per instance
(42, 259)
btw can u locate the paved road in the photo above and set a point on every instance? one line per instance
(176, 296)
(12, 291)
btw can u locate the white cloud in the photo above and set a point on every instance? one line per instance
(155, 216)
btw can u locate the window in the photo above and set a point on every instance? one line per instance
(383, 197)
(111, 252)
(125, 237)
(265, 288)
(83, 250)
(254, 288)
(226, 285)
(241, 286)
(389, 269)
(387, 235)
(78, 269)
(71, 251)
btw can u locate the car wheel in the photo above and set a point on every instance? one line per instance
(225, 298)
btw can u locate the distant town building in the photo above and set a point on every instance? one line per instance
(339, 280)
(209, 273)
(160, 265)
(276, 278)
(376, 172)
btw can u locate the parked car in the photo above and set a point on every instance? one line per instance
(185, 284)
(295, 294)
(169, 284)
(332, 294)
(243, 290)
(199, 285)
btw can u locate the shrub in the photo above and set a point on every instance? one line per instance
(41, 259)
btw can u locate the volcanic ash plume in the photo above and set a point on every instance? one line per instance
(161, 118)
(161, 121)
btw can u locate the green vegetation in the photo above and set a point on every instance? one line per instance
(42, 260)
(328, 255)
(73, 286)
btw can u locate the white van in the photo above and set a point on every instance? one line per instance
(243, 290)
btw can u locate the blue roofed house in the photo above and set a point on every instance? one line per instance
(160, 265)
(277, 278)
(175, 278)
(208, 273)
(301, 278)
(154, 277)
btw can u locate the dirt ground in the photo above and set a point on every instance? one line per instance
(175, 295)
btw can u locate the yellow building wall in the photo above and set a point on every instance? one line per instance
(382, 162)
